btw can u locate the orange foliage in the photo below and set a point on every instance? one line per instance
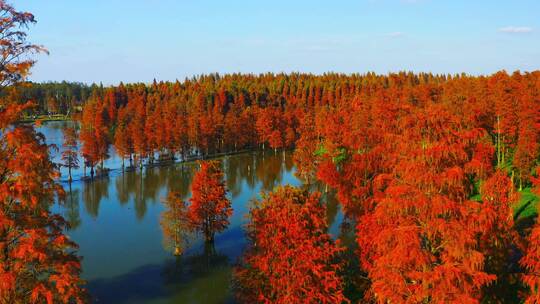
(291, 258)
(37, 261)
(210, 208)
(404, 152)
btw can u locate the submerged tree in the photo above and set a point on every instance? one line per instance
(290, 258)
(175, 222)
(122, 140)
(94, 135)
(69, 153)
(210, 208)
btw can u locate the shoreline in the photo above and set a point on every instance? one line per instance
(166, 163)
(45, 118)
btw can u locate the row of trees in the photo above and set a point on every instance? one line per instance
(218, 114)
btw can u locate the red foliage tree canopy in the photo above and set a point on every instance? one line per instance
(290, 258)
(531, 260)
(37, 261)
(210, 208)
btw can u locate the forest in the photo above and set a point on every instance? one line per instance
(429, 168)
(438, 177)
(51, 97)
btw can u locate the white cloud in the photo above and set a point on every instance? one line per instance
(516, 29)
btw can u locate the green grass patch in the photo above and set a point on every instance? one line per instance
(527, 205)
(321, 150)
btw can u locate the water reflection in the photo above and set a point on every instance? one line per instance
(115, 220)
(93, 193)
(72, 213)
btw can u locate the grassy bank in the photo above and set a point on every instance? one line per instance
(54, 117)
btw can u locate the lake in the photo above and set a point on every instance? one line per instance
(115, 221)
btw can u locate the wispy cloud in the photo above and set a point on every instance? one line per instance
(516, 29)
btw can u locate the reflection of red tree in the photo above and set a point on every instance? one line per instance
(175, 222)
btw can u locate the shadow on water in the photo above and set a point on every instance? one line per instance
(199, 278)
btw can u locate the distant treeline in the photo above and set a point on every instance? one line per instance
(54, 97)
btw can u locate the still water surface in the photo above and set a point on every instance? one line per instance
(115, 221)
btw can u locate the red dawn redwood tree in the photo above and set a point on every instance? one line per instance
(531, 263)
(305, 151)
(531, 260)
(290, 257)
(69, 153)
(420, 241)
(122, 139)
(94, 134)
(527, 147)
(210, 208)
(37, 261)
(498, 240)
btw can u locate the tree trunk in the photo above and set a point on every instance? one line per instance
(498, 143)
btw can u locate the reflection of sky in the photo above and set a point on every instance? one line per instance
(116, 224)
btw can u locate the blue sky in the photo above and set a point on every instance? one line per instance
(139, 40)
